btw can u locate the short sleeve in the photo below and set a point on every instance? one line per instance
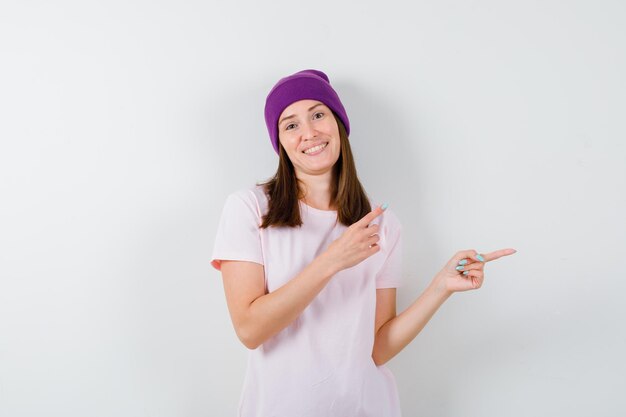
(390, 275)
(238, 236)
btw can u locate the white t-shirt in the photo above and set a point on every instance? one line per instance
(321, 364)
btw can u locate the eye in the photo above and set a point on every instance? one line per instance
(287, 127)
(319, 113)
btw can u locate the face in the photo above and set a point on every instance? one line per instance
(310, 135)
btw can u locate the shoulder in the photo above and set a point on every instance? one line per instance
(248, 198)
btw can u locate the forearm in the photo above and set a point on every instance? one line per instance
(398, 332)
(271, 313)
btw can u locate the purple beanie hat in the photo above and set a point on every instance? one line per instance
(306, 84)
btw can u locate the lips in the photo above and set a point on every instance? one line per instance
(314, 150)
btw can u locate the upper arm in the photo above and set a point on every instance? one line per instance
(385, 306)
(244, 282)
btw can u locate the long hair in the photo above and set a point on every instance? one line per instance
(346, 192)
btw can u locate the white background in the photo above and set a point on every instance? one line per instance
(484, 125)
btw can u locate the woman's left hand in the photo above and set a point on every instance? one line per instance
(451, 279)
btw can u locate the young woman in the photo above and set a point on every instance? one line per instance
(310, 270)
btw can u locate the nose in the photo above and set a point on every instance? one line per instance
(308, 131)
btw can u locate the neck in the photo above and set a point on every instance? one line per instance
(316, 189)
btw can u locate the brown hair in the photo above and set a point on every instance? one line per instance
(346, 192)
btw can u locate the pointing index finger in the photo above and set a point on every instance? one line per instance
(367, 219)
(498, 254)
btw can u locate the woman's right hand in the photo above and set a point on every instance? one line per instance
(356, 244)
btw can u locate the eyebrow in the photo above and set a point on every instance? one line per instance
(293, 115)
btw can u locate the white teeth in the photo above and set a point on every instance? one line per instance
(316, 148)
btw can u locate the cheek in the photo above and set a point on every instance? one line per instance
(290, 146)
(338, 148)
(286, 142)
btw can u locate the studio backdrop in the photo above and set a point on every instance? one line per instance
(485, 125)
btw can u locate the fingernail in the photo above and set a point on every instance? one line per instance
(459, 268)
(480, 258)
(466, 272)
(462, 261)
(384, 206)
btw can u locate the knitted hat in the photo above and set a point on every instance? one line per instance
(306, 84)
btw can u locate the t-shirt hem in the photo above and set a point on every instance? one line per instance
(217, 260)
(388, 284)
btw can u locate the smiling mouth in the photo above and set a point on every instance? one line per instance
(315, 149)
